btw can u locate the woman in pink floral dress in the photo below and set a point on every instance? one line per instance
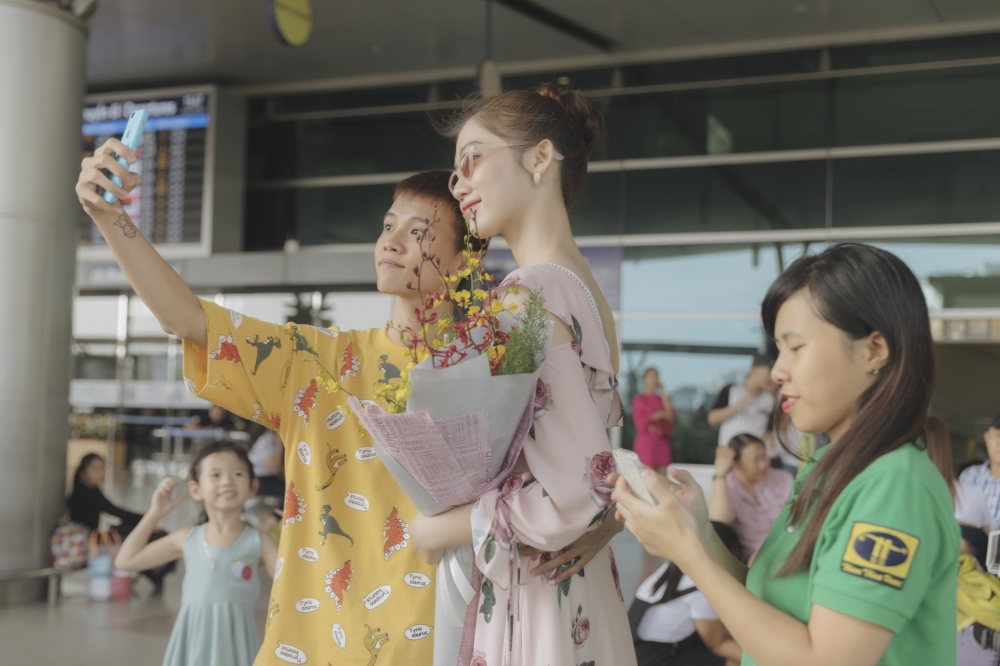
(522, 159)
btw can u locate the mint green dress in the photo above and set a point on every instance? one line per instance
(215, 626)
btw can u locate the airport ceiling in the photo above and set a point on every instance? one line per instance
(153, 43)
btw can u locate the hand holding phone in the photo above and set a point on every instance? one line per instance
(630, 467)
(131, 138)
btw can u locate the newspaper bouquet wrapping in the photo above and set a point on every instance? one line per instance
(460, 437)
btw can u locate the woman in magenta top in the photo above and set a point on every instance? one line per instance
(653, 416)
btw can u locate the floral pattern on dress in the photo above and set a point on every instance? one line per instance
(581, 628)
(595, 477)
(543, 399)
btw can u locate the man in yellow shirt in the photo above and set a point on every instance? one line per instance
(347, 589)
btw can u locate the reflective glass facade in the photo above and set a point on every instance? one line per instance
(714, 174)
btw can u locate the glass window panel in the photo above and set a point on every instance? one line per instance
(346, 146)
(269, 219)
(722, 120)
(923, 50)
(350, 99)
(599, 212)
(958, 272)
(920, 106)
(341, 214)
(916, 189)
(757, 64)
(584, 79)
(726, 198)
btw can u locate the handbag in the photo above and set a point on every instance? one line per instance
(663, 427)
(68, 547)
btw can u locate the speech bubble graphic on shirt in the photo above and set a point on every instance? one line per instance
(306, 605)
(305, 455)
(309, 554)
(417, 579)
(335, 419)
(339, 637)
(278, 566)
(356, 501)
(190, 386)
(236, 317)
(418, 631)
(377, 597)
(290, 653)
(365, 453)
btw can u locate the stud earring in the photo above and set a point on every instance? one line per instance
(538, 178)
(874, 371)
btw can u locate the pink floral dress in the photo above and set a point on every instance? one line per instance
(529, 620)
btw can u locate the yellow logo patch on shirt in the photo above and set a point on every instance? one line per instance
(879, 554)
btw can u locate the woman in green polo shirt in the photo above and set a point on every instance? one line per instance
(861, 566)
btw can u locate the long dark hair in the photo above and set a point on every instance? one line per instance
(221, 446)
(84, 463)
(937, 439)
(861, 289)
(672, 576)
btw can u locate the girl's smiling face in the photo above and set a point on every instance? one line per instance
(822, 371)
(224, 482)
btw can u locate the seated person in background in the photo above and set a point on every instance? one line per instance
(971, 510)
(86, 503)
(267, 453)
(674, 625)
(746, 407)
(986, 477)
(654, 417)
(747, 493)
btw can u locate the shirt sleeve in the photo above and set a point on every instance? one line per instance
(722, 400)
(699, 607)
(883, 551)
(246, 368)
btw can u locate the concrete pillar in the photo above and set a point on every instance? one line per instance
(42, 55)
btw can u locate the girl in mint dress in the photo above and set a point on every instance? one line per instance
(215, 625)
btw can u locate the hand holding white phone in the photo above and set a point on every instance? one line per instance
(630, 467)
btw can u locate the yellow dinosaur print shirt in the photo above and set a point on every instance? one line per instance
(347, 589)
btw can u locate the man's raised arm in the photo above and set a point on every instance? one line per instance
(158, 285)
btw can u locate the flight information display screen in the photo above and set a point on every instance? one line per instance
(167, 206)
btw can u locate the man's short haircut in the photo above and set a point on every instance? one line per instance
(762, 360)
(433, 186)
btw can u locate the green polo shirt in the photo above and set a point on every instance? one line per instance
(887, 554)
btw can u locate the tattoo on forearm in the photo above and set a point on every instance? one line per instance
(126, 224)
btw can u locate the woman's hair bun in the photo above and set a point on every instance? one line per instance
(588, 118)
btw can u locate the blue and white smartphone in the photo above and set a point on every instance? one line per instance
(131, 138)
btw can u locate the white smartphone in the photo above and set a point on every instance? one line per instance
(993, 553)
(631, 467)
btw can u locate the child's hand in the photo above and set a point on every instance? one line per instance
(162, 503)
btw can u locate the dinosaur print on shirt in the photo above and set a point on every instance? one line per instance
(338, 581)
(227, 350)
